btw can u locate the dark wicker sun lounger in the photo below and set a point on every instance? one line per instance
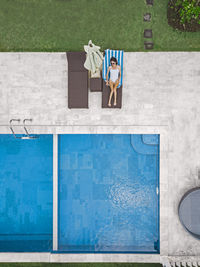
(77, 80)
(105, 97)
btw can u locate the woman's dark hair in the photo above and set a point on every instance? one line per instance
(113, 59)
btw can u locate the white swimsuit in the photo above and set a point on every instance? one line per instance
(114, 74)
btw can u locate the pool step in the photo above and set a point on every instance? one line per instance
(150, 139)
(147, 147)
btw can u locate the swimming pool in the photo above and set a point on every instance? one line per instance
(108, 193)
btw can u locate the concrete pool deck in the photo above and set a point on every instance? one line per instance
(160, 95)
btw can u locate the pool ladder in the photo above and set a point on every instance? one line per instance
(27, 135)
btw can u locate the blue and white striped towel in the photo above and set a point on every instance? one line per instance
(118, 54)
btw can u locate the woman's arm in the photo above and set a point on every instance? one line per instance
(119, 73)
(107, 75)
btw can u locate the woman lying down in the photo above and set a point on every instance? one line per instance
(113, 82)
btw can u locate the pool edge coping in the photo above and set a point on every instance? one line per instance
(108, 257)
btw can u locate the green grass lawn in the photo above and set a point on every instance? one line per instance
(80, 265)
(66, 25)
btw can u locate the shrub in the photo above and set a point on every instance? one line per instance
(188, 10)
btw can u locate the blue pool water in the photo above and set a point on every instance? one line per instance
(108, 199)
(26, 190)
(107, 193)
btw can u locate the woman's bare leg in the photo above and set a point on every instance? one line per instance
(115, 92)
(111, 93)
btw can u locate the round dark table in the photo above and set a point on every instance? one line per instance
(189, 211)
